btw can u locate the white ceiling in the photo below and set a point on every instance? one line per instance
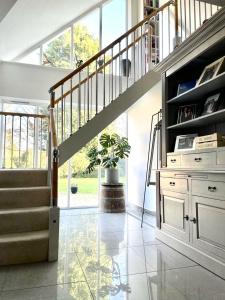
(30, 21)
(5, 6)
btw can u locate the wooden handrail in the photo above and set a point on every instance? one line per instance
(103, 51)
(6, 113)
(98, 70)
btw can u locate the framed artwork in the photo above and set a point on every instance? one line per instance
(185, 142)
(186, 113)
(212, 70)
(211, 104)
(185, 86)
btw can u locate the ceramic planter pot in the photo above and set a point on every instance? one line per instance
(111, 175)
(74, 189)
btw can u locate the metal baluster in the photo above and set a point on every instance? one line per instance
(79, 102)
(5, 129)
(194, 15)
(141, 51)
(190, 16)
(109, 93)
(205, 11)
(169, 28)
(115, 77)
(27, 141)
(162, 36)
(127, 71)
(64, 117)
(41, 142)
(71, 106)
(120, 70)
(96, 87)
(134, 67)
(91, 95)
(200, 15)
(57, 119)
(84, 84)
(112, 72)
(185, 20)
(62, 114)
(19, 139)
(34, 143)
(88, 95)
(12, 142)
(104, 92)
(211, 10)
(181, 21)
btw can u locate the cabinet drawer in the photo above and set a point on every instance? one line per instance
(198, 160)
(173, 161)
(173, 184)
(220, 157)
(212, 189)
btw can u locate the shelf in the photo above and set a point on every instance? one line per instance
(200, 91)
(216, 117)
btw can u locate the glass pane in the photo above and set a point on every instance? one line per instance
(86, 38)
(32, 58)
(57, 52)
(113, 21)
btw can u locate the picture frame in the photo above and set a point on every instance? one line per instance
(211, 104)
(186, 113)
(185, 142)
(212, 70)
(185, 86)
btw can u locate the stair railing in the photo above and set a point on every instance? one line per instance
(23, 140)
(82, 94)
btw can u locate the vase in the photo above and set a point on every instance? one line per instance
(111, 175)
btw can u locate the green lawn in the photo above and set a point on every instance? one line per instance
(85, 185)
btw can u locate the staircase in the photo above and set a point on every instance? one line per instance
(81, 105)
(24, 216)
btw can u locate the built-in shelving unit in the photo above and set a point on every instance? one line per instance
(213, 118)
(200, 91)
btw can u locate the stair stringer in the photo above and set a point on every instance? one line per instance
(93, 127)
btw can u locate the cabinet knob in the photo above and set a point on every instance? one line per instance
(186, 217)
(212, 189)
(193, 220)
(172, 183)
(173, 160)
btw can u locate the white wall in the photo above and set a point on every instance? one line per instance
(28, 82)
(139, 120)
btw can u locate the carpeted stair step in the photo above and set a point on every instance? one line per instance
(11, 198)
(24, 219)
(26, 247)
(23, 178)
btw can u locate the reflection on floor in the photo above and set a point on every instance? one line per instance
(108, 256)
(78, 200)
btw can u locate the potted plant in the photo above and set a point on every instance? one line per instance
(113, 148)
(74, 188)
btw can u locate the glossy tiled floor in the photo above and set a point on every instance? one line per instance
(108, 256)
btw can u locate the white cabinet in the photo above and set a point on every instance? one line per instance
(208, 228)
(174, 207)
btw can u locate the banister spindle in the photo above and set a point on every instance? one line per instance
(104, 91)
(112, 73)
(12, 142)
(96, 87)
(71, 106)
(79, 102)
(19, 139)
(4, 152)
(88, 95)
(27, 141)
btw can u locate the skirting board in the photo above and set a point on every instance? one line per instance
(194, 254)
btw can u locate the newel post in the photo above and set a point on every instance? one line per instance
(54, 153)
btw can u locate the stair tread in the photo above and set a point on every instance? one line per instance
(24, 236)
(24, 210)
(35, 188)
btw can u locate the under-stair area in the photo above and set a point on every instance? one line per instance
(24, 216)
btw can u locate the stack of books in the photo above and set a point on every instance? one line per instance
(214, 140)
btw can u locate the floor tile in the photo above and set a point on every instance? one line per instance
(131, 287)
(66, 270)
(74, 291)
(194, 283)
(125, 261)
(161, 257)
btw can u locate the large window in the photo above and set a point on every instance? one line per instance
(83, 38)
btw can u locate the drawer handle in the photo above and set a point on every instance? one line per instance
(172, 183)
(212, 189)
(193, 220)
(198, 159)
(173, 160)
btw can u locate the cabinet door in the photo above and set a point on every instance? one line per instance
(208, 230)
(174, 208)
